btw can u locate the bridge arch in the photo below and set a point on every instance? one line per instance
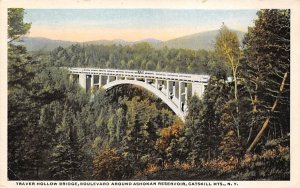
(173, 89)
(150, 88)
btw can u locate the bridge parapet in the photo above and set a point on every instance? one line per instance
(173, 88)
(142, 74)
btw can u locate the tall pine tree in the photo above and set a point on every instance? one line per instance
(267, 73)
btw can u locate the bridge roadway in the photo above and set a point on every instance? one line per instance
(173, 88)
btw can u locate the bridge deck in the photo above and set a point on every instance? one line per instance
(142, 74)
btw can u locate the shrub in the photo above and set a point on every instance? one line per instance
(110, 165)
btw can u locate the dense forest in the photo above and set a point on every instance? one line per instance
(238, 130)
(139, 56)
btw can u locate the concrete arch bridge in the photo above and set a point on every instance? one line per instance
(172, 88)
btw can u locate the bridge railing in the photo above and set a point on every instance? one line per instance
(142, 74)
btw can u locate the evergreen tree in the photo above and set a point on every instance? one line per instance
(193, 124)
(267, 71)
(230, 145)
(16, 25)
(65, 163)
(203, 121)
(120, 125)
(22, 109)
(209, 133)
(66, 157)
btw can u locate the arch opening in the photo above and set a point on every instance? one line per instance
(151, 89)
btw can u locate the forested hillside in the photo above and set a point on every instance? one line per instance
(238, 130)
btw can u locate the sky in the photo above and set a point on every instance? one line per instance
(131, 24)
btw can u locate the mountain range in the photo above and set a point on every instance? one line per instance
(202, 40)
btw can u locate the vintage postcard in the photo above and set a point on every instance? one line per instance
(149, 94)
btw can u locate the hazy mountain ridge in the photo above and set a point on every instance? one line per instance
(202, 40)
(41, 43)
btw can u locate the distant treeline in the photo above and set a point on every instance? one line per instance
(140, 56)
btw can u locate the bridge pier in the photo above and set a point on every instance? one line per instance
(108, 79)
(156, 83)
(92, 83)
(198, 89)
(174, 89)
(82, 80)
(168, 88)
(185, 97)
(71, 77)
(186, 91)
(180, 96)
(100, 81)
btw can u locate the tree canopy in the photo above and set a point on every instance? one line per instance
(16, 25)
(237, 131)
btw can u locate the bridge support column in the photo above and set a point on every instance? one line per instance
(197, 89)
(186, 97)
(92, 82)
(186, 91)
(82, 80)
(71, 77)
(156, 83)
(100, 81)
(180, 96)
(168, 88)
(174, 89)
(108, 79)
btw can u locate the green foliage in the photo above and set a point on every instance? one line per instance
(267, 52)
(20, 101)
(204, 120)
(65, 162)
(227, 46)
(230, 145)
(143, 121)
(138, 57)
(16, 25)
